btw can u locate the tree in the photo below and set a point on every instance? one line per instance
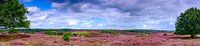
(188, 22)
(12, 15)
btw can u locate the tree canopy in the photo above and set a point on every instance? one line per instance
(188, 22)
(12, 15)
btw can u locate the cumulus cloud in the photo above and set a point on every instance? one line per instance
(87, 19)
(33, 9)
(111, 14)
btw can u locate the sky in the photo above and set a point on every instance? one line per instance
(106, 14)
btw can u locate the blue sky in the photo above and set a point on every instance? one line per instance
(106, 14)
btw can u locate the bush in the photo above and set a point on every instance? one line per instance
(50, 33)
(80, 33)
(76, 33)
(68, 33)
(107, 31)
(30, 32)
(94, 34)
(12, 31)
(66, 37)
(59, 33)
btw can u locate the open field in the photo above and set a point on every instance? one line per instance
(96, 38)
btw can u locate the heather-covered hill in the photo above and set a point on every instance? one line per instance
(106, 38)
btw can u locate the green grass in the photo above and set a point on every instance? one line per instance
(50, 33)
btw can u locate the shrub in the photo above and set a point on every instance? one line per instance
(12, 31)
(94, 34)
(107, 31)
(60, 33)
(30, 32)
(68, 33)
(76, 33)
(66, 37)
(80, 33)
(49, 33)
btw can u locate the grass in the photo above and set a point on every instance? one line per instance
(198, 35)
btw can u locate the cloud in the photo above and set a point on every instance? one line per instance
(73, 22)
(111, 14)
(87, 19)
(109, 18)
(26, 0)
(57, 5)
(33, 9)
(76, 5)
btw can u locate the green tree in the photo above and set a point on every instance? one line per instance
(12, 15)
(188, 22)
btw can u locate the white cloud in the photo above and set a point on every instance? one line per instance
(100, 25)
(33, 9)
(57, 5)
(51, 22)
(26, 0)
(53, 18)
(112, 14)
(73, 22)
(109, 18)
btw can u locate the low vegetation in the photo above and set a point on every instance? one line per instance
(107, 31)
(50, 32)
(103, 39)
(12, 17)
(82, 34)
(68, 33)
(5, 38)
(66, 37)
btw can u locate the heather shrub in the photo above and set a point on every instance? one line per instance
(94, 34)
(108, 31)
(30, 32)
(50, 33)
(141, 34)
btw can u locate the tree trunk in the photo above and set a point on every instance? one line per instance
(192, 35)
